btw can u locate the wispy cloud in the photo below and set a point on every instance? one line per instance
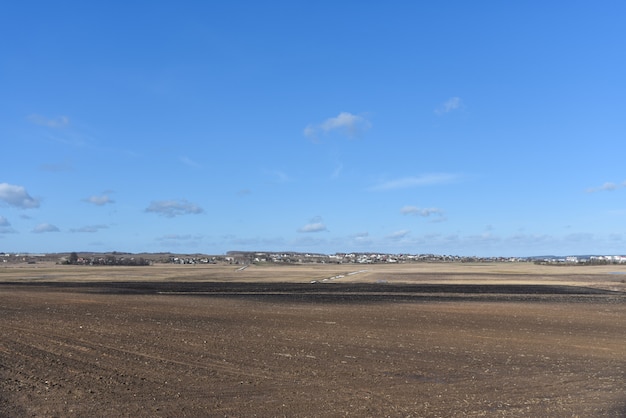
(397, 235)
(17, 196)
(360, 239)
(449, 105)
(316, 225)
(279, 176)
(417, 211)
(41, 228)
(608, 186)
(89, 228)
(172, 208)
(583, 237)
(99, 200)
(253, 243)
(178, 237)
(177, 240)
(616, 212)
(58, 122)
(346, 123)
(189, 162)
(5, 226)
(55, 167)
(485, 238)
(308, 242)
(61, 131)
(337, 171)
(408, 182)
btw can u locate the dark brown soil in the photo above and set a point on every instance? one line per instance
(310, 350)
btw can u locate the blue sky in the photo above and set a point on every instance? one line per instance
(470, 128)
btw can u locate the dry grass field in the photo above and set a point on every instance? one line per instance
(419, 340)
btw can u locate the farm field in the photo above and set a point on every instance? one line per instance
(421, 340)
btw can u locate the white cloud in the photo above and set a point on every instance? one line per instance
(99, 200)
(449, 105)
(347, 123)
(17, 196)
(414, 210)
(398, 234)
(344, 120)
(59, 122)
(172, 208)
(407, 182)
(41, 228)
(313, 227)
(316, 225)
(608, 186)
(89, 228)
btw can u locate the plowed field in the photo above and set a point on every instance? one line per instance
(420, 346)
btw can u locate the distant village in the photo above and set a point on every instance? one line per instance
(254, 257)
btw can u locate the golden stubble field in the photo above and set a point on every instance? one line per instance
(605, 276)
(419, 340)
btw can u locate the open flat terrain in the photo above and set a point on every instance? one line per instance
(421, 340)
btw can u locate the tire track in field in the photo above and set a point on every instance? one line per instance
(44, 343)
